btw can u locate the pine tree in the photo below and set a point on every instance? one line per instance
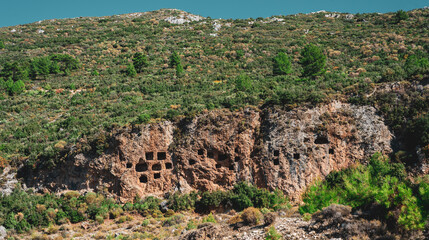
(131, 71)
(282, 64)
(175, 59)
(400, 16)
(140, 62)
(313, 61)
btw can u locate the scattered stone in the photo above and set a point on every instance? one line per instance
(216, 26)
(8, 181)
(183, 18)
(333, 15)
(3, 232)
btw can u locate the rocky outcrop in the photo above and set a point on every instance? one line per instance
(272, 148)
(303, 145)
(7, 182)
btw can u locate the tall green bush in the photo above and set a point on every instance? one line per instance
(243, 83)
(176, 62)
(140, 62)
(313, 61)
(282, 64)
(131, 71)
(400, 15)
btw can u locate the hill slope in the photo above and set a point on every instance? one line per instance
(363, 51)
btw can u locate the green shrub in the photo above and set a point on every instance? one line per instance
(242, 196)
(182, 202)
(400, 16)
(65, 62)
(272, 234)
(282, 64)
(2, 46)
(211, 200)
(416, 65)
(313, 61)
(209, 218)
(140, 62)
(15, 71)
(380, 182)
(94, 72)
(191, 225)
(131, 71)
(175, 59)
(145, 222)
(174, 220)
(16, 88)
(143, 118)
(179, 69)
(243, 83)
(40, 66)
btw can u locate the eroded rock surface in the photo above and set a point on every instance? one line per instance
(303, 145)
(271, 148)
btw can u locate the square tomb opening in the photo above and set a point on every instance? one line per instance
(149, 156)
(276, 161)
(276, 153)
(143, 179)
(162, 155)
(156, 167)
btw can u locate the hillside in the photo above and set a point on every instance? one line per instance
(91, 103)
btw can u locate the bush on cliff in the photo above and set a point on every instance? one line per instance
(380, 183)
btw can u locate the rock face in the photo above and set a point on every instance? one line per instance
(302, 145)
(271, 148)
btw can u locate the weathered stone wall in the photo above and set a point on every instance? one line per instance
(271, 148)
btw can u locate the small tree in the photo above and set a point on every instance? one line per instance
(174, 59)
(313, 61)
(2, 46)
(401, 15)
(282, 64)
(243, 83)
(140, 62)
(143, 118)
(15, 70)
(40, 66)
(17, 87)
(131, 71)
(179, 69)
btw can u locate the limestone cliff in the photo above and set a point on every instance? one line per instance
(271, 148)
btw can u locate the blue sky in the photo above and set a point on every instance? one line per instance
(14, 12)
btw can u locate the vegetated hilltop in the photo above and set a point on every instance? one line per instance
(226, 64)
(149, 103)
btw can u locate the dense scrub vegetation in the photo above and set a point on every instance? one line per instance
(381, 185)
(23, 210)
(83, 76)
